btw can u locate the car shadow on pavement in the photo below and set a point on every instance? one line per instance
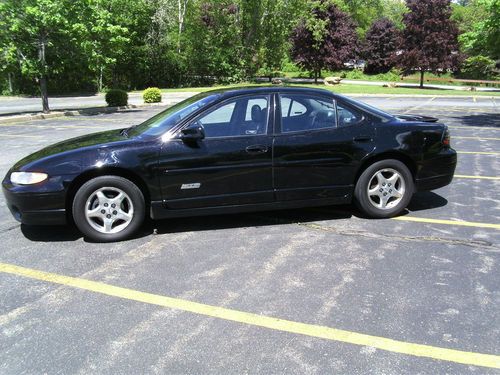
(50, 233)
(426, 200)
(490, 120)
(420, 201)
(254, 219)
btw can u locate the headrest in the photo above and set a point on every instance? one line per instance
(256, 113)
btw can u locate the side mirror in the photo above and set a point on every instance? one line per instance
(194, 132)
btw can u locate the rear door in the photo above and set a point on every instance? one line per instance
(231, 166)
(318, 146)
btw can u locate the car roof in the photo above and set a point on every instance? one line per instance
(228, 92)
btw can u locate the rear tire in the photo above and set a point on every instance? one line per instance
(108, 209)
(384, 189)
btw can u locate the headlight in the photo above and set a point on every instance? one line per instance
(27, 178)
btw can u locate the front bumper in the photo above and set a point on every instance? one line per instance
(38, 204)
(438, 171)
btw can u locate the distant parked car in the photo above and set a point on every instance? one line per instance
(355, 64)
(229, 151)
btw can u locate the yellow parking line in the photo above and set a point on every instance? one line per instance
(447, 222)
(478, 152)
(477, 177)
(419, 350)
(473, 127)
(477, 138)
(19, 135)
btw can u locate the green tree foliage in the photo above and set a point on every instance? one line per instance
(216, 50)
(484, 35)
(64, 46)
(478, 67)
(37, 31)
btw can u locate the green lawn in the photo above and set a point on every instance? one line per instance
(352, 89)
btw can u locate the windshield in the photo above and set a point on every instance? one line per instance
(166, 120)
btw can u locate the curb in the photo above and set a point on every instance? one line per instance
(76, 112)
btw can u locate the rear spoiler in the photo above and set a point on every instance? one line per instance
(416, 118)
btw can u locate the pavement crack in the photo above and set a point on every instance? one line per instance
(365, 234)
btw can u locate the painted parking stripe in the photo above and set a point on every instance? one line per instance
(476, 177)
(473, 127)
(447, 222)
(478, 152)
(402, 347)
(477, 138)
(19, 136)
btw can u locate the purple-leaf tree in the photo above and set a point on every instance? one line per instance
(380, 47)
(328, 46)
(429, 40)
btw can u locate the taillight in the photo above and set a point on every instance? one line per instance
(446, 138)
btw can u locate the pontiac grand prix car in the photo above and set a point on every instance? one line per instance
(229, 151)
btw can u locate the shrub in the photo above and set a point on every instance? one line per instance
(116, 98)
(478, 67)
(152, 95)
(354, 74)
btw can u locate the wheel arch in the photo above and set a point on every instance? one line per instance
(396, 155)
(106, 171)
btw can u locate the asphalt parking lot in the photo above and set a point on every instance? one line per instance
(310, 291)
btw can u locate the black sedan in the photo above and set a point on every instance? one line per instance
(230, 151)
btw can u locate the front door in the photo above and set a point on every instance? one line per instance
(319, 147)
(231, 166)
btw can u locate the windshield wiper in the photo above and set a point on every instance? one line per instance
(124, 132)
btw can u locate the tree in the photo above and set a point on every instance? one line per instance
(380, 46)
(103, 39)
(429, 41)
(277, 22)
(36, 28)
(327, 40)
(394, 10)
(215, 48)
(363, 12)
(484, 36)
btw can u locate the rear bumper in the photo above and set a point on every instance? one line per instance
(32, 207)
(437, 172)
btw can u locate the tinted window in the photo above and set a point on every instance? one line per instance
(167, 119)
(304, 112)
(348, 116)
(241, 116)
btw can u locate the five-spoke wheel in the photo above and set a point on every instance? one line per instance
(108, 208)
(384, 189)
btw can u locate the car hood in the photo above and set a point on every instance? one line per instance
(101, 139)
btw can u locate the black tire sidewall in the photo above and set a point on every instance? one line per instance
(81, 196)
(361, 196)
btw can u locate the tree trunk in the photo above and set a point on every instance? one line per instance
(99, 80)
(422, 79)
(315, 76)
(182, 6)
(9, 78)
(44, 94)
(43, 76)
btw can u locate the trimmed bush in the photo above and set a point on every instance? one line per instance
(152, 95)
(116, 98)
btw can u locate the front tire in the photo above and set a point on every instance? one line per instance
(108, 208)
(384, 189)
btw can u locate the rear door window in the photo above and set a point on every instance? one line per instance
(306, 112)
